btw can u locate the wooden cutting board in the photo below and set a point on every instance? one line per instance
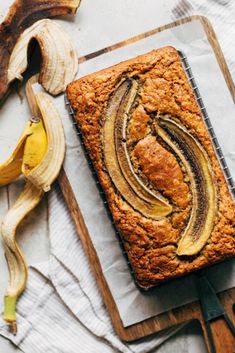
(224, 341)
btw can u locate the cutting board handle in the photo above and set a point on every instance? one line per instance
(223, 337)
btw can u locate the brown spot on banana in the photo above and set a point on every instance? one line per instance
(116, 155)
(203, 188)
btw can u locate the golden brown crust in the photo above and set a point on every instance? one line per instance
(138, 126)
(151, 244)
(162, 169)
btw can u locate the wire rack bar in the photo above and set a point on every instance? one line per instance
(208, 123)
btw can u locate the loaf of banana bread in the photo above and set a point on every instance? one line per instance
(156, 163)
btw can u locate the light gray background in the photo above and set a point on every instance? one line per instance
(98, 24)
(134, 305)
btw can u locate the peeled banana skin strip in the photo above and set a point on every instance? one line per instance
(11, 169)
(43, 175)
(21, 15)
(59, 56)
(27, 200)
(23, 153)
(116, 156)
(40, 153)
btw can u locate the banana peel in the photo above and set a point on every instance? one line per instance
(59, 57)
(44, 174)
(27, 200)
(22, 14)
(35, 146)
(40, 151)
(11, 169)
(38, 157)
(28, 153)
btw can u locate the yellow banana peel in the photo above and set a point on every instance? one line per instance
(28, 153)
(27, 200)
(11, 169)
(38, 156)
(35, 146)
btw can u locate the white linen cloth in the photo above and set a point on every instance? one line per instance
(221, 14)
(61, 310)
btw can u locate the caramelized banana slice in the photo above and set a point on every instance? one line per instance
(203, 187)
(116, 155)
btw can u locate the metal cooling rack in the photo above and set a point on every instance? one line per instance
(207, 120)
(209, 126)
(101, 192)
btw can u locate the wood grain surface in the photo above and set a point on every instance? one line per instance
(224, 341)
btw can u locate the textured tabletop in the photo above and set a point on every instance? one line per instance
(99, 24)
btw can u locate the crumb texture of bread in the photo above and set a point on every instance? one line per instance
(163, 91)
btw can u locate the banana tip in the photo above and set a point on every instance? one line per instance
(13, 327)
(47, 188)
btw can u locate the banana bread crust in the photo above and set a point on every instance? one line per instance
(151, 244)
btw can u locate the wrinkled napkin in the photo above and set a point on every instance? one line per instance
(61, 309)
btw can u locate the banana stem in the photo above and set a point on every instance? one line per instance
(10, 312)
